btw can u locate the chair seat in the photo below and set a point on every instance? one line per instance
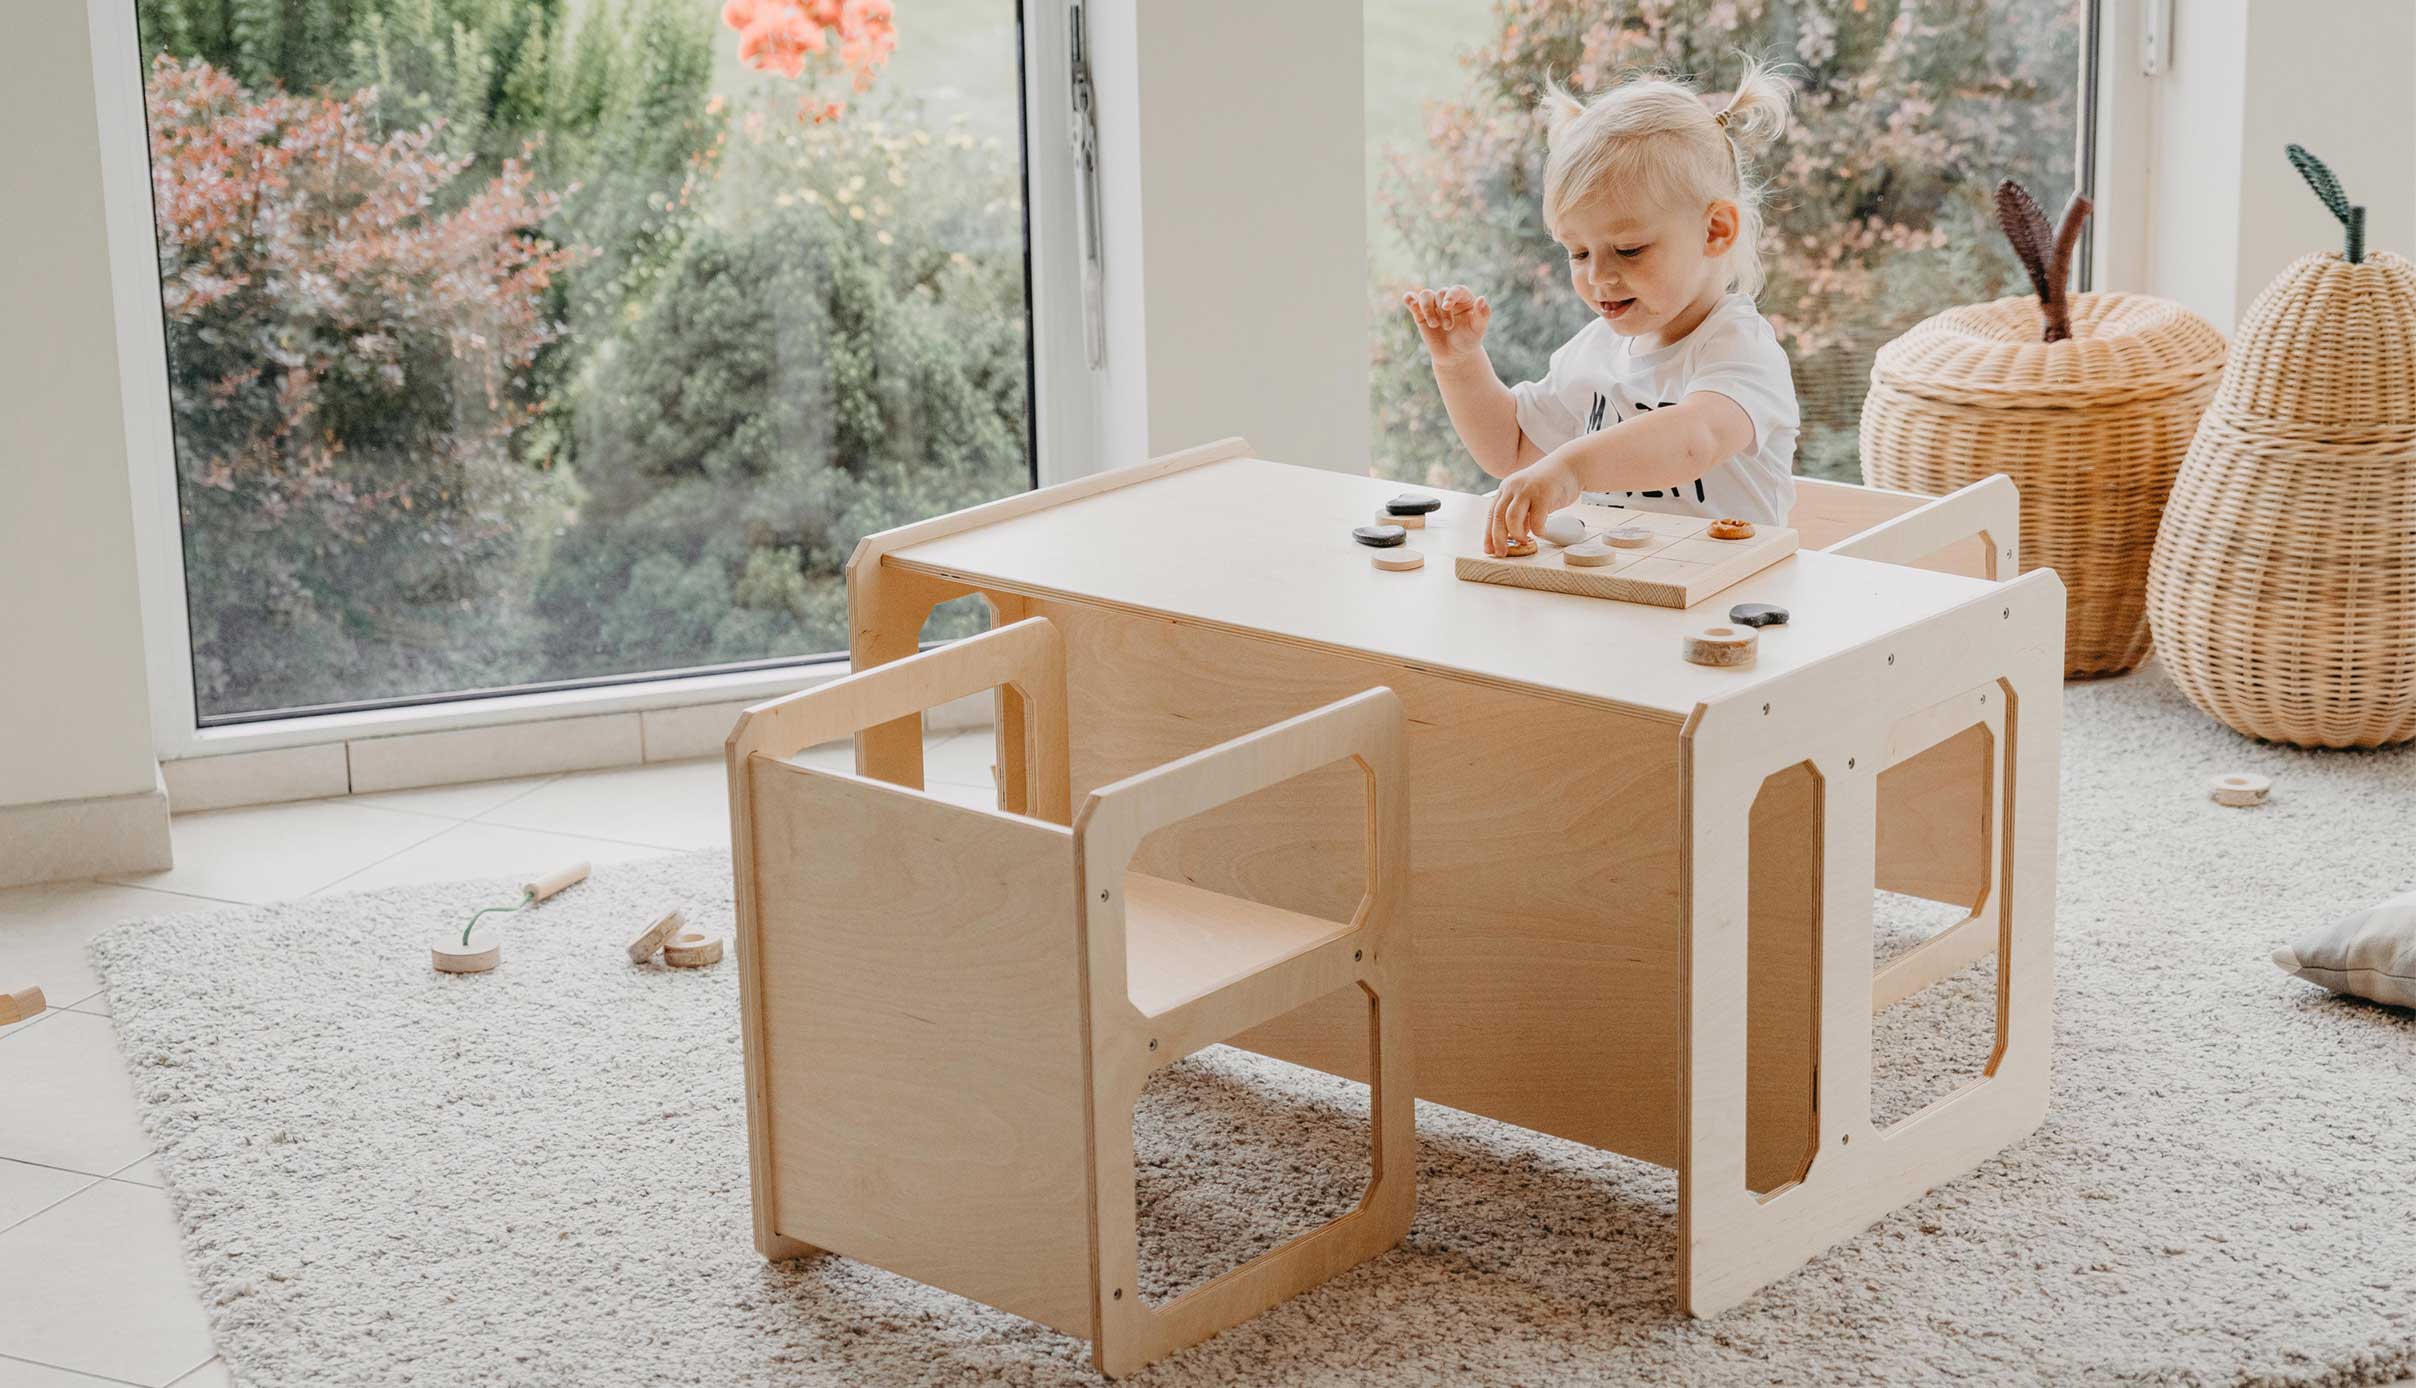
(1185, 942)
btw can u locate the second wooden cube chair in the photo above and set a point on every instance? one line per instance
(950, 1011)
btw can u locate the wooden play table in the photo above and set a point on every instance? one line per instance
(1641, 890)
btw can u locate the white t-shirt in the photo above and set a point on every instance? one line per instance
(1599, 378)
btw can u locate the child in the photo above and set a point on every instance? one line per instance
(1648, 191)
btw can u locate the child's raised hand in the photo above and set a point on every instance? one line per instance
(1452, 321)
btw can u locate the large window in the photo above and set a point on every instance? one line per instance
(520, 343)
(1879, 212)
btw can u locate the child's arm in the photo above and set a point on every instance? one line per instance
(1452, 323)
(1660, 448)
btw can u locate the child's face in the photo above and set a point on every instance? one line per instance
(1647, 271)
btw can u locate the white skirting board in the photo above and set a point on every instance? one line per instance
(60, 840)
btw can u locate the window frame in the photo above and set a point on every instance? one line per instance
(1064, 406)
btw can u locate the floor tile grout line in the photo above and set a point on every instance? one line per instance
(446, 827)
(98, 1378)
(215, 1356)
(46, 1209)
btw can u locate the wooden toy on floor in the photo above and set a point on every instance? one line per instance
(692, 949)
(942, 1057)
(25, 1002)
(473, 954)
(650, 940)
(1677, 564)
(2239, 789)
(1687, 978)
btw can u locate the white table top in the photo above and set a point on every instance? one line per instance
(1266, 547)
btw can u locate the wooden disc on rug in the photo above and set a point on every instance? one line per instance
(1398, 560)
(451, 956)
(1721, 646)
(650, 939)
(2239, 788)
(25, 1002)
(692, 949)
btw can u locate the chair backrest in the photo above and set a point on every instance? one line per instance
(911, 990)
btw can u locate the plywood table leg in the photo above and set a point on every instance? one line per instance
(886, 610)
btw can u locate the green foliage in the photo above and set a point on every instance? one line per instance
(1879, 208)
(842, 360)
(2328, 190)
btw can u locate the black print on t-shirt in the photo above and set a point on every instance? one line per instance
(1594, 425)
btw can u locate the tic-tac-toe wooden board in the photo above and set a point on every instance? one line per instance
(1679, 567)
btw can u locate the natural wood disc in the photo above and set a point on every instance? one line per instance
(1721, 646)
(1399, 560)
(691, 949)
(1414, 520)
(1518, 549)
(1732, 530)
(25, 1002)
(450, 956)
(2239, 788)
(1593, 554)
(1629, 537)
(650, 939)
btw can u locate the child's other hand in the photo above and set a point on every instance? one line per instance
(1452, 321)
(1526, 498)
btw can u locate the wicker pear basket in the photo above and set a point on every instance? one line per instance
(2283, 588)
(2092, 428)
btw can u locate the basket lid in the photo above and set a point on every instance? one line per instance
(2123, 346)
(2329, 343)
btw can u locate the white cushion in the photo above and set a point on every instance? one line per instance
(2371, 954)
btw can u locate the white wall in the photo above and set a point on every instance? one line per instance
(75, 720)
(1234, 168)
(2225, 211)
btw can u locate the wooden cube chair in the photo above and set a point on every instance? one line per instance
(949, 1012)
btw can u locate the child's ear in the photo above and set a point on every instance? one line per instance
(1720, 223)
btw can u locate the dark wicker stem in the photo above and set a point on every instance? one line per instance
(2046, 256)
(2328, 191)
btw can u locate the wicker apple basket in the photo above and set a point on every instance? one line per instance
(2283, 589)
(2091, 426)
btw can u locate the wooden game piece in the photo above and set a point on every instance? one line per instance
(1758, 614)
(553, 882)
(25, 1002)
(451, 956)
(1592, 554)
(692, 949)
(2239, 788)
(1564, 529)
(1720, 646)
(1407, 520)
(1730, 529)
(1412, 504)
(1380, 536)
(1629, 536)
(643, 947)
(1398, 560)
(1518, 547)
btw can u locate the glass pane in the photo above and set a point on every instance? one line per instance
(1879, 209)
(527, 342)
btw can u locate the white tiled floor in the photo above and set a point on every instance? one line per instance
(92, 1282)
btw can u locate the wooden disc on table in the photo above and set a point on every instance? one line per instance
(1629, 537)
(1593, 554)
(1729, 529)
(1721, 646)
(451, 956)
(692, 949)
(1518, 548)
(1407, 520)
(643, 947)
(1398, 560)
(2239, 788)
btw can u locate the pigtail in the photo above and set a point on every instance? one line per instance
(1560, 109)
(1756, 115)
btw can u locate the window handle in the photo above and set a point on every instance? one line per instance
(1085, 135)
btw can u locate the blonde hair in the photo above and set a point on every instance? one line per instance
(1654, 134)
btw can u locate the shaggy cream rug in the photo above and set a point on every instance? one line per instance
(537, 1177)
